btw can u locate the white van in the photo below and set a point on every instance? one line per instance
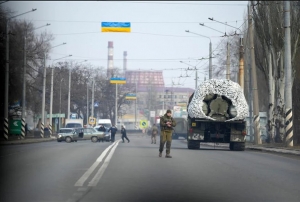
(105, 122)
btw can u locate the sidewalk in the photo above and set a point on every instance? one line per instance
(268, 147)
(13, 140)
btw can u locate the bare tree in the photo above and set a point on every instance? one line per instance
(269, 46)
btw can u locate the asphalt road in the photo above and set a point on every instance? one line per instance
(86, 171)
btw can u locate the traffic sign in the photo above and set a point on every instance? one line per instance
(92, 120)
(130, 96)
(143, 124)
(152, 114)
(15, 127)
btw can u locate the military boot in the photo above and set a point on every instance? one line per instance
(168, 156)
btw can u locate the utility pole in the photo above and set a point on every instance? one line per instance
(59, 122)
(135, 103)
(87, 103)
(69, 93)
(6, 90)
(288, 76)
(24, 91)
(210, 60)
(44, 94)
(116, 107)
(196, 78)
(93, 96)
(24, 72)
(257, 131)
(24, 80)
(241, 65)
(51, 95)
(51, 102)
(241, 60)
(228, 63)
(249, 83)
(43, 98)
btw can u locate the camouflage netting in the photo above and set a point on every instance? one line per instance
(224, 87)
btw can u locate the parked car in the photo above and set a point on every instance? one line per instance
(66, 134)
(77, 134)
(107, 134)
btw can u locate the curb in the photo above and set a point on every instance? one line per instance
(282, 151)
(265, 149)
(27, 141)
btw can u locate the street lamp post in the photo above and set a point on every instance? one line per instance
(135, 110)
(7, 74)
(24, 71)
(210, 52)
(87, 103)
(51, 94)
(59, 122)
(44, 93)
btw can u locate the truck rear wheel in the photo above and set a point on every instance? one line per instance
(237, 146)
(193, 144)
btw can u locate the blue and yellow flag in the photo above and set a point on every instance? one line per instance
(115, 26)
(118, 80)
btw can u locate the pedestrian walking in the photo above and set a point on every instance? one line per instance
(124, 135)
(113, 131)
(166, 123)
(154, 132)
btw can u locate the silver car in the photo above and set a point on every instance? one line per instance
(75, 134)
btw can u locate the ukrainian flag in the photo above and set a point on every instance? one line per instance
(115, 26)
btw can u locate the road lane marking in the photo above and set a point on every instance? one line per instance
(100, 172)
(86, 175)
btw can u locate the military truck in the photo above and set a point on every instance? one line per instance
(216, 113)
(180, 130)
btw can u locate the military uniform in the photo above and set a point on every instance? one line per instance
(166, 133)
(154, 132)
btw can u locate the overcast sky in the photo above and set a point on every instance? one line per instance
(157, 41)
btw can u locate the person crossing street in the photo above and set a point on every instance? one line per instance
(124, 135)
(166, 124)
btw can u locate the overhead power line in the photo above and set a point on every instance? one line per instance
(166, 35)
(141, 22)
(184, 3)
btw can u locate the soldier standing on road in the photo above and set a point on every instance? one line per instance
(124, 135)
(166, 123)
(154, 132)
(113, 131)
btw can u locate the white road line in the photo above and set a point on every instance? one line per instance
(85, 176)
(100, 172)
